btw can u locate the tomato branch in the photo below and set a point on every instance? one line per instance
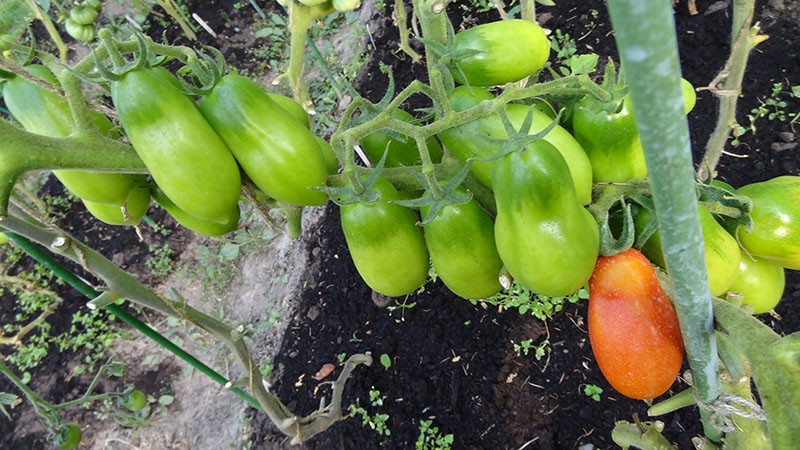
(727, 85)
(121, 284)
(21, 151)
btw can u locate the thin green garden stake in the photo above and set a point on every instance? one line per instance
(646, 38)
(118, 311)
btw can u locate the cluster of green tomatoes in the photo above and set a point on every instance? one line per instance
(193, 150)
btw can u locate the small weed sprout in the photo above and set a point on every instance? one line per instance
(430, 438)
(592, 391)
(378, 421)
(773, 108)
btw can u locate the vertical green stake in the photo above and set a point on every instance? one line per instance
(62, 272)
(645, 35)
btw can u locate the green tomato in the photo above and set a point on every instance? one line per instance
(81, 32)
(83, 14)
(461, 244)
(186, 158)
(722, 252)
(608, 133)
(68, 436)
(775, 235)
(204, 227)
(346, 5)
(461, 141)
(3, 238)
(548, 242)
(291, 107)
(400, 152)
(331, 161)
(128, 213)
(387, 246)
(276, 151)
(135, 400)
(760, 283)
(43, 112)
(499, 52)
(689, 96)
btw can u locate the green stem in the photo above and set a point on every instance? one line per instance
(727, 85)
(21, 152)
(37, 402)
(51, 29)
(400, 21)
(300, 21)
(645, 35)
(528, 10)
(432, 17)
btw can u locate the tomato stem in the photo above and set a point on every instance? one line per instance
(727, 85)
(300, 20)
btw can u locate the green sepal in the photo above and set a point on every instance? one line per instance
(347, 195)
(610, 245)
(451, 196)
(730, 209)
(517, 140)
(645, 202)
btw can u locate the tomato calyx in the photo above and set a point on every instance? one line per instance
(437, 197)
(67, 436)
(731, 209)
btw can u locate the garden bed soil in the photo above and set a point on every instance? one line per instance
(451, 361)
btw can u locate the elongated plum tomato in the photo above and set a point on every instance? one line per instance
(185, 156)
(499, 52)
(387, 246)
(546, 239)
(273, 148)
(461, 243)
(633, 329)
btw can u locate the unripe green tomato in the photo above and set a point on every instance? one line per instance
(346, 5)
(499, 52)
(722, 252)
(461, 244)
(689, 96)
(83, 14)
(548, 242)
(204, 227)
(81, 32)
(3, 238)
(68, 436)
(94, 4)
(311, 2)
(331, 161)
(44, 112)
(775, 235)
(321, 10)
(760, 283)
(387, 246)
(135, 400)
(293, 108)
(276, 151)
(129, 213)
(186, 157)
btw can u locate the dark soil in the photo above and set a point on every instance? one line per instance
(453, 361)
